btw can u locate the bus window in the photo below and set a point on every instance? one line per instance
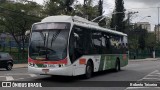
(97, 42)
(76, 43)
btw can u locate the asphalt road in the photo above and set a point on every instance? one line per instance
(135, 71)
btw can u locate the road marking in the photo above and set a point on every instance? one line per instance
(157, 73)
(148, 74)
(2, 76)
(154, 75)
(145, 77)
(18, 74)
(33, 75)
(21, 78)
(150, 78)
(9, 78)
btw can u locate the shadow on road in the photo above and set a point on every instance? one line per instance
(3, 70)
(66, 79)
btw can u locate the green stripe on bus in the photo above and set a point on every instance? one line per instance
(39, 65)
(108, 61)
(101, 63)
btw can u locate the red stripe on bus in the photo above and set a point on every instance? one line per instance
(63, 61)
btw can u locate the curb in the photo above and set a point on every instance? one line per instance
(148, 59)
(20, 65)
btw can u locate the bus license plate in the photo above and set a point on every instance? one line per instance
(45, 70)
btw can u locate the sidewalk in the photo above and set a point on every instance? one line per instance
(147, 59)
(20, 65)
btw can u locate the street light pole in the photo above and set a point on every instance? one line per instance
(158, 24)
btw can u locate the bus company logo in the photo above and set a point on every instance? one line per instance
(6, 84)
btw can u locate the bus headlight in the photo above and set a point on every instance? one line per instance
(31, 64)
(63, 65)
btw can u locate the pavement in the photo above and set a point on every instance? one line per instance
(147, 59)
(20, 65)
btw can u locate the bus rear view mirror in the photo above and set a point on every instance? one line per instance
(76, 36)
(27, 32)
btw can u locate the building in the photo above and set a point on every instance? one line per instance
(145, 25)
(157, 32)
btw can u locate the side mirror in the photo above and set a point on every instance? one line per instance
(76, 36)
(27, 32)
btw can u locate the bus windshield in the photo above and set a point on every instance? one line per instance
(49, 41)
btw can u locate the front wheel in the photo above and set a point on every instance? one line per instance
(9, 66)
(89, 70)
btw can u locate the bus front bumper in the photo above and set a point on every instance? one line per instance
(64, 71)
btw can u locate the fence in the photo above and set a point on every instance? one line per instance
(17, 54)
(142, 54)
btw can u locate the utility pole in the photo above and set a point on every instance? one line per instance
(158, 23)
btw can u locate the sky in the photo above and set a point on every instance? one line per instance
(144, 7)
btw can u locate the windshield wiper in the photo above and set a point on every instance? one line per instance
(55, 36)
(45, 45)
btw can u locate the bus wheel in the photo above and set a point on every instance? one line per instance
(89, 70)
(117, 66)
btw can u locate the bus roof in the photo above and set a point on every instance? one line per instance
(80, 22)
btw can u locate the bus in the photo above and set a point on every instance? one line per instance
(71, 45)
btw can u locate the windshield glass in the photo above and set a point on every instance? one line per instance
(49, 41)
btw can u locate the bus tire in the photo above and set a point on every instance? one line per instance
(117, 65)
(89, 70)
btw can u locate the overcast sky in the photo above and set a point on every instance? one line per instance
(144, 7)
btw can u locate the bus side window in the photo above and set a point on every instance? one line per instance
(76, 43)
(97, 42)
(104, 43)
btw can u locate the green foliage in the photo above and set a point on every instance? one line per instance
(151, 42)
(100, 7)
(69, 7)
(59, 7)
(16, 18)
(140, 39)
(118, 16)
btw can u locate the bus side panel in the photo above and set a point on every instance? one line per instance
(109, 61)
(101, 62)
(79, 66)
(124, 60)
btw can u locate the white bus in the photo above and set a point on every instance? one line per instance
(71, 46)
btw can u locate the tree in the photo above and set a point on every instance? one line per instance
(58, 7)
(150, 41)
(137, 38)
(2, 1)
(19, 17)
(102, 21)
(118, 16)
(100, 7)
